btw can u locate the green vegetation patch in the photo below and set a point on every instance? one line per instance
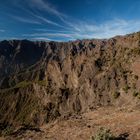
(136, 94)
(23, 84)
(7, 131)
(116, 94)
(41, 83)
(21, 107)
(104, 134)
(126, 88)
(136, 77)
(26, 108)
(136, 51)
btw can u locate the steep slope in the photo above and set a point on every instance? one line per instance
(41, 81)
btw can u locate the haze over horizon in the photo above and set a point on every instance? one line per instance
(62, 20)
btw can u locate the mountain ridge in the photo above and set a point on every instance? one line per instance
(42, 81)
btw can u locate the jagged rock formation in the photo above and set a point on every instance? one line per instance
(40, 81)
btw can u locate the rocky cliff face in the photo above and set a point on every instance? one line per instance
(40, 81)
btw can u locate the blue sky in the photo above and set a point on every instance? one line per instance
(63, 20)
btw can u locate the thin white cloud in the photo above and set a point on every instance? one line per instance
(25, 20)
(41, 38)
(52, 31)
(70, 23)
(41, 5)
(2, 30)
(45, 39)
(49, 35)
(89, 31)
(107, 29)
(45, 20)
(74, 29)
(33, 12)
(34, 8)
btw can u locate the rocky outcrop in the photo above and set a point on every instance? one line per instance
(41, 81)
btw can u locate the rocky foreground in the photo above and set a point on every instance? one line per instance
(123, 122)
(68, 90)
